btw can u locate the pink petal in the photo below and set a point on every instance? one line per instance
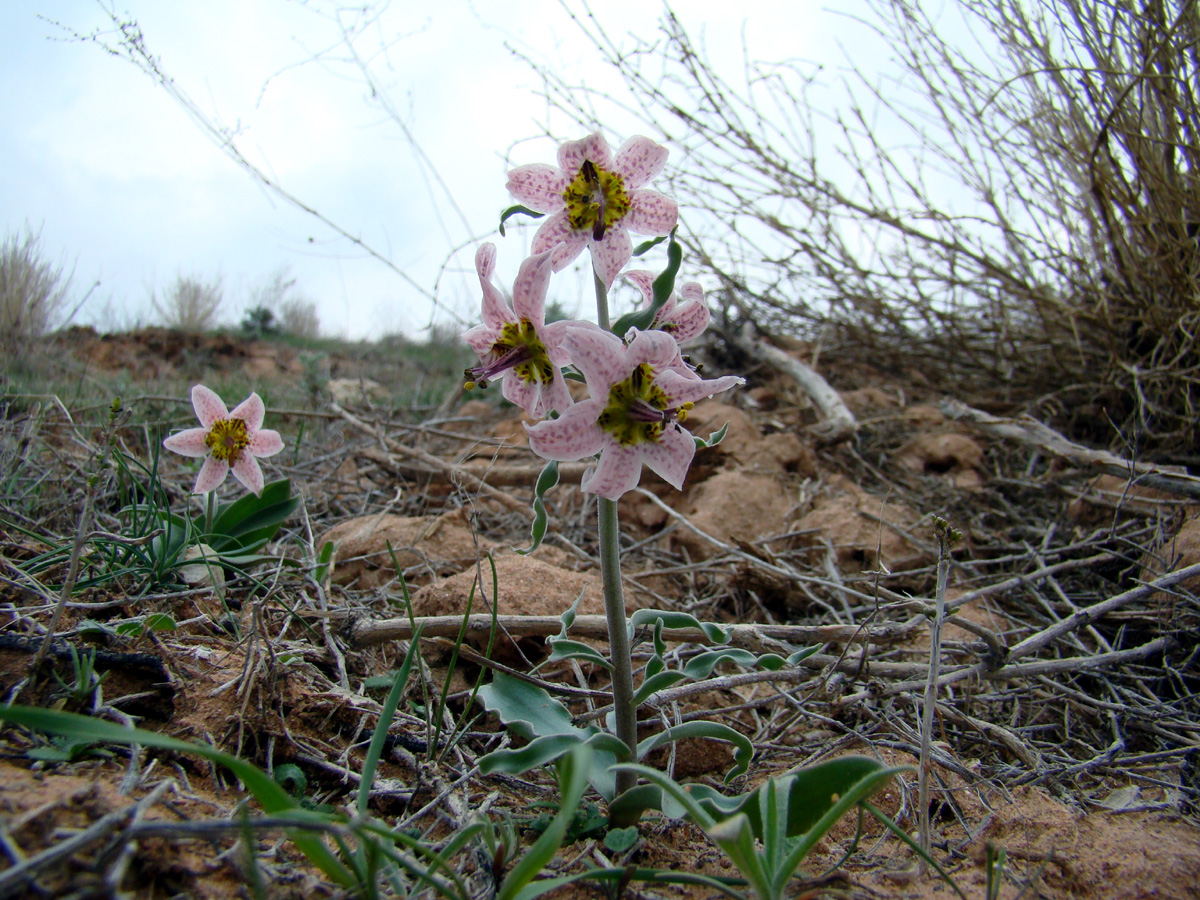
(264, 442)
(480, 338)
(249, 473)
(680, 388)
(212, 473)
(618, 471)
(657, 348)
(692, 290)
(600, 356)
(572, 154)
(645, 283)
(690, 320)
(208, 406)
(610, 255)
(535, 398)
(651, 213)
(188, 443)
(539, 186)
(553, 336)
(494, 310)
(485, 260)
(530, 286)
(556, 233)
(639, 159)
(251, 411)
(573, 435)
(670, 456)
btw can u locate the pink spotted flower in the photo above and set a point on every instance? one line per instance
(515, 345)
(684, 316)
(229, 441)
(639, 395)
(594, 200)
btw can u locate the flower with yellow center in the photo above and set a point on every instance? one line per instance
(640, 394)
(515, 345)
(594, 199)
(229, 441)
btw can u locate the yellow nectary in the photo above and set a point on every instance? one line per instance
(226, 439)
(596, 199)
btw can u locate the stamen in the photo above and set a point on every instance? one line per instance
(226, 439)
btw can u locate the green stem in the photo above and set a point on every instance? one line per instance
(624, 711)
(210, 514)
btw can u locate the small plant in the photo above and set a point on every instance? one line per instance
(84, 689)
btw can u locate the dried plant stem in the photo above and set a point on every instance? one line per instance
(931, 685)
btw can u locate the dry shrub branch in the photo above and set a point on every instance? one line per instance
(1012, 203)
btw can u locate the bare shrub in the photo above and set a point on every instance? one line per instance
(1014, 209)
(191, 305)
(298, 316)
(286, 311)
(32, 291)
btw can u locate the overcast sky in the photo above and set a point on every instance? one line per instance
(125, 187)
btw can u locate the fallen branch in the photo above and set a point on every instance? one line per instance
(839, 423)
(368, 632)
(1034, 433)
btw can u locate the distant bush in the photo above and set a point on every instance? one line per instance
(273, 311)
(190, 305)
(32, 290)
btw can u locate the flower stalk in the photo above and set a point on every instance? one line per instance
(609, 530)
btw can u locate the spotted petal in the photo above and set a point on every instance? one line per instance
(557, 234)
(610, 255)
(639, 159)
(651, 213)
(188, 443)
(600, 356)
(494, 310)
(212, 473)
(671, 455)
(265, 442)
(573, 435)
(618, 472)
(249, 473)
(538, 186)
(682, 389)
(251, 411)
(208, 406)
(530, 286)
(594, 147)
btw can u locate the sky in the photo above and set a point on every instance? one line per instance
(129, 192)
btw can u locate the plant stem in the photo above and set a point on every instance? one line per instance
(624, 712)
(210, 513)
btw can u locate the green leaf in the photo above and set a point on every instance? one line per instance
(386, 713)
(563, 648)
(643, 617)
(657, 682)
(517, 210)
(324, 561)
(249, 522)
(646, 246)
(527, 709)
(572, 780)
(713, 439)
(621, 839)
(272, 797)
(546, 480)
(538, 752)
(701, 666)
(663, 286)
(743, 748)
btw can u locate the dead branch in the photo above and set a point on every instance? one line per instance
(368, 632)
(838, 422)
(1173, 479)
